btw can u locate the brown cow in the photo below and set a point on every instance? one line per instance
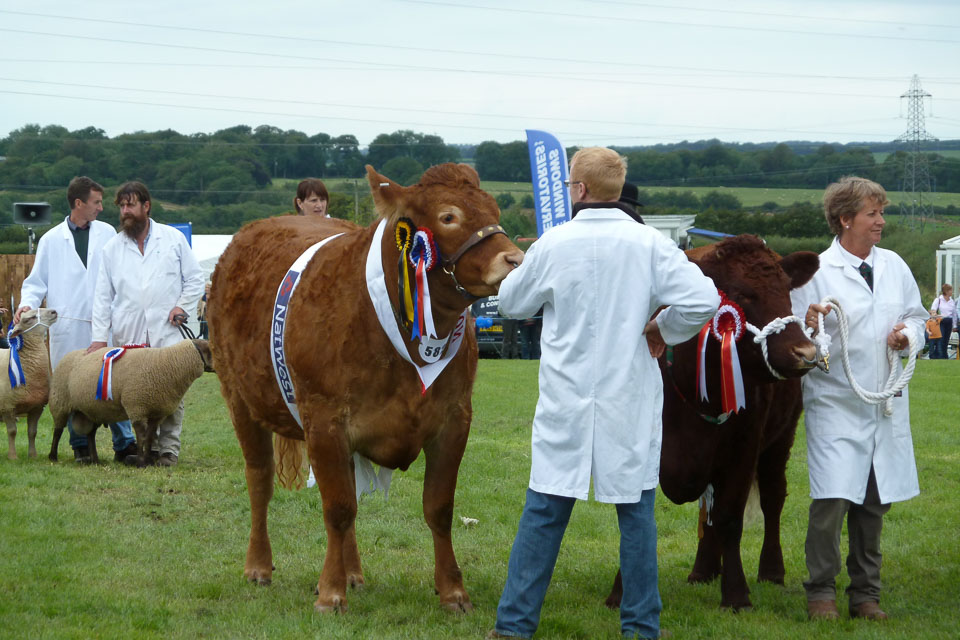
(354, 391)
(756, 442)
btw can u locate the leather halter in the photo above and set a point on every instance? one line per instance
(478, 236)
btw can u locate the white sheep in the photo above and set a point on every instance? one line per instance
(28, 398)
(148, 385)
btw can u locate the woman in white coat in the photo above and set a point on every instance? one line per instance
(859, 460)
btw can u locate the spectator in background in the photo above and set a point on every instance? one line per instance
(65, 273)
(628, 196)
(530, 336)
(3, 334)
(148, 276)
(202, 313)
(312, 198)
(945, 308)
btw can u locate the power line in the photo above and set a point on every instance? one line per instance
(555, 14)
(434, 50)
(789, 16)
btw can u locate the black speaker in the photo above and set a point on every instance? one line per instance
(33, 214)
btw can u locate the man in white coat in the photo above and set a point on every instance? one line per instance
(148, 276)
(859, 459)
(65, 273)
(599, 279)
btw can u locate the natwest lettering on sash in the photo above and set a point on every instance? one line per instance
(278, 328)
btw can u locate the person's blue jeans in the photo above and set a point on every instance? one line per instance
(939, 350)
(122, 433)
(534, 556)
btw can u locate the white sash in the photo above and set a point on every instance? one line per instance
(377, 288)
(365, 479)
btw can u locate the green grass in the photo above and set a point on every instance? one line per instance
(112, 552)
(748, 196)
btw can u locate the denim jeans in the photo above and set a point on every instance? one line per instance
(122, 433)
(534, 556)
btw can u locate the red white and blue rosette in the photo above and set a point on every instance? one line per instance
(727, 327)
(15, 368)
(423, 257)
(105, 381)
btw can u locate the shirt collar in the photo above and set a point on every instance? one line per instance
(74, 227)
(853, 260)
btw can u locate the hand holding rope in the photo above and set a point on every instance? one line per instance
(895, 383)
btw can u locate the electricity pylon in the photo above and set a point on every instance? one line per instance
(916, 167)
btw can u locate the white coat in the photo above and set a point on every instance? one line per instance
(600, 277)
(59, 276)
(135, 293)
(844, 434)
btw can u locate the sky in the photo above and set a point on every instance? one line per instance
(593, 72)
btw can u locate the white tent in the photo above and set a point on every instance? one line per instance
(948, 263)
(207, 249)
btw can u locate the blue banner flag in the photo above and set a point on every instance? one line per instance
(548, 169)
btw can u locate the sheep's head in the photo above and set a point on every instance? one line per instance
(203, 348)
(32, 318)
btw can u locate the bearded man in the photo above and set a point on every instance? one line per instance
(148, 276)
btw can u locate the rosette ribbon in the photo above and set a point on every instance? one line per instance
(15, 368)
(423, 256)
(105, 381)
(404, 236)
(727, 327)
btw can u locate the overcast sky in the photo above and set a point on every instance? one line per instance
(601, 72)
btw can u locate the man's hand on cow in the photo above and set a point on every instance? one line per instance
(654, 339)
(813, 315)
(19, 312)
(96, 345)
(896, 340)
(177, 316)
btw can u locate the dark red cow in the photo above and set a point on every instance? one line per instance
(756, 441)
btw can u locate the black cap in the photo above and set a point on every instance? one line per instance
(629, 194)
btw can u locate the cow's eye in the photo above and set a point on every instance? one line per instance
(448, 218)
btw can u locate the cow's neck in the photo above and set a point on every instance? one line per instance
(446, 302)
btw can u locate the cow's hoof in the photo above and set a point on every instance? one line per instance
(461, 604)
(11, 456)
(334, 605)
(53, 457)
(355, 581)
(774, 579)
(612, 602)
(738, 608)
(258, 576)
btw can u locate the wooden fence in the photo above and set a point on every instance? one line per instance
(14, 268)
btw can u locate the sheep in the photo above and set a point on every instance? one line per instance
(28, 398)
(148, 385)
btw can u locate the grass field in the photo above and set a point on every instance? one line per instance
(112, 552)
(748, 196)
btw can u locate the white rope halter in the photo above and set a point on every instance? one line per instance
(774, 326)
(894, 383)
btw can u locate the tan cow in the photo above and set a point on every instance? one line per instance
(354, 391)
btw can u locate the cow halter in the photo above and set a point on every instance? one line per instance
(478, 236)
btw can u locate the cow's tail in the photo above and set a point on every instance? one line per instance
(752, 511)
(288, 458)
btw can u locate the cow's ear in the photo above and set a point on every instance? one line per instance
(387, 194)
(800, 267)
(470, 174)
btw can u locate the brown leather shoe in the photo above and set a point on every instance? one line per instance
(869, 610)
(493, 634)
(822, 610)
